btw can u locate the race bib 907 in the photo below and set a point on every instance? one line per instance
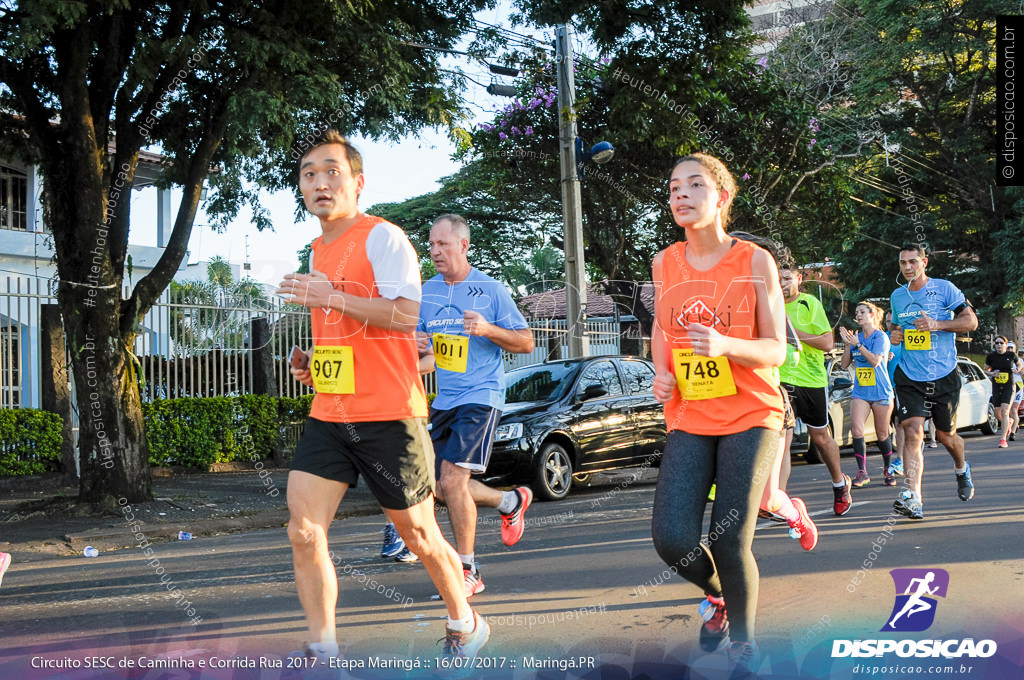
(332, 369)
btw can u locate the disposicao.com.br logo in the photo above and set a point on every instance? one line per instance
(914, 611)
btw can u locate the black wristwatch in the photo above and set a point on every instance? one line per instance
(858, 345)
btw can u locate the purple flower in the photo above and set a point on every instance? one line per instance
(529, 130)
(745, 176)
(516, 131)
(502, 136)
(763, 62)
(504, 123)
(813, 142)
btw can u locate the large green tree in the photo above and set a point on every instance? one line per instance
(221, 88)
(921, 100)
(662, 79)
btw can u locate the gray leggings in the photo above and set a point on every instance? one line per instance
(725, 567)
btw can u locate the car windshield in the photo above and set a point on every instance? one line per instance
(538, 383)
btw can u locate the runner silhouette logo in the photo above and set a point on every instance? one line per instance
(914, 609)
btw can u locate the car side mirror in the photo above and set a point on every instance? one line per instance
(593, 392)
(842, 383)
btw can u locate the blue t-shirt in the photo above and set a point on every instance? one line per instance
(897, 352)
(441, 311)
(941, 300)
(881, 390)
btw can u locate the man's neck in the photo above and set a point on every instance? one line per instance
(334, 227)
(458, 276)
(796, 294)
(919, 283)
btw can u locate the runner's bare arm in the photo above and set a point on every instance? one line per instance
(518, 341)
(965, 321)
(664, 381)
(426, 352)
(823, 341)
(314, 290)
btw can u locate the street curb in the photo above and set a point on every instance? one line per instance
(116, 538)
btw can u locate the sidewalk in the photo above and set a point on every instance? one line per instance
(38, 516)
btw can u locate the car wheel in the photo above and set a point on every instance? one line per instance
(990, 426)
(552, 473)
(813, 456)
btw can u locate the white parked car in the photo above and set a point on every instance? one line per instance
(975, 409)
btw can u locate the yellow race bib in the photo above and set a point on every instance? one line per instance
(332, 369)
(1003, 378)
(702, 377)
(917, 340)
(451, 352)
(866, 377)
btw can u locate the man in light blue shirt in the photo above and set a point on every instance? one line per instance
(927, 314)
(466, 320)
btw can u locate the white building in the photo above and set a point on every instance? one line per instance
(28, 272)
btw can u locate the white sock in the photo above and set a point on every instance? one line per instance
(509, 501)
(469, 560)
(840, 485)
(324, 649)
(465, 625)
(962, 470)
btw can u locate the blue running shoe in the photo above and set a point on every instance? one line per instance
(406, 555)
(393, 543)
(909, 504)
(896, 467)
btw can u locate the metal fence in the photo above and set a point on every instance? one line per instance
(197, 342)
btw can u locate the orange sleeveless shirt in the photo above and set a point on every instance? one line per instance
(385, 363)
(725, 298)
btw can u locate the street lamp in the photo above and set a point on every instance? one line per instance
(600, 153)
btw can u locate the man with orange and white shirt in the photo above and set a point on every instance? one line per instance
(368, 417)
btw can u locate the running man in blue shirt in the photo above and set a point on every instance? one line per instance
(466, 320)
(927, 314)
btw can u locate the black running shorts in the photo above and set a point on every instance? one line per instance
(935, 399)
(393, 456)
(810, 404)
(1002, 393)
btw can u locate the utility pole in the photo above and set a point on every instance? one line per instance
(575, 271)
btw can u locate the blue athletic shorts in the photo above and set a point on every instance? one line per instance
(464, 435)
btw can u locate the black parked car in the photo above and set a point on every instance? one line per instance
(564, 420)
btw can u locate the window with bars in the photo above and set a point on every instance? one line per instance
(13, 199)
(10, 367)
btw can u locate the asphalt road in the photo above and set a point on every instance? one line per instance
(584, 583)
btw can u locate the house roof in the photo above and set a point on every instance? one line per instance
(551, 304)
(148, 169)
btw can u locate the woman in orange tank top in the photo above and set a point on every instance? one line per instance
(719, 330)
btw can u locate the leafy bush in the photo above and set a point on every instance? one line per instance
(201, 431)
(29, 442)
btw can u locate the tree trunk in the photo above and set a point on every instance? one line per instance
(113, 453)
(1005, 323)
(87, 210)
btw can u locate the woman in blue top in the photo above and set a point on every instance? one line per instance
(872, 388)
